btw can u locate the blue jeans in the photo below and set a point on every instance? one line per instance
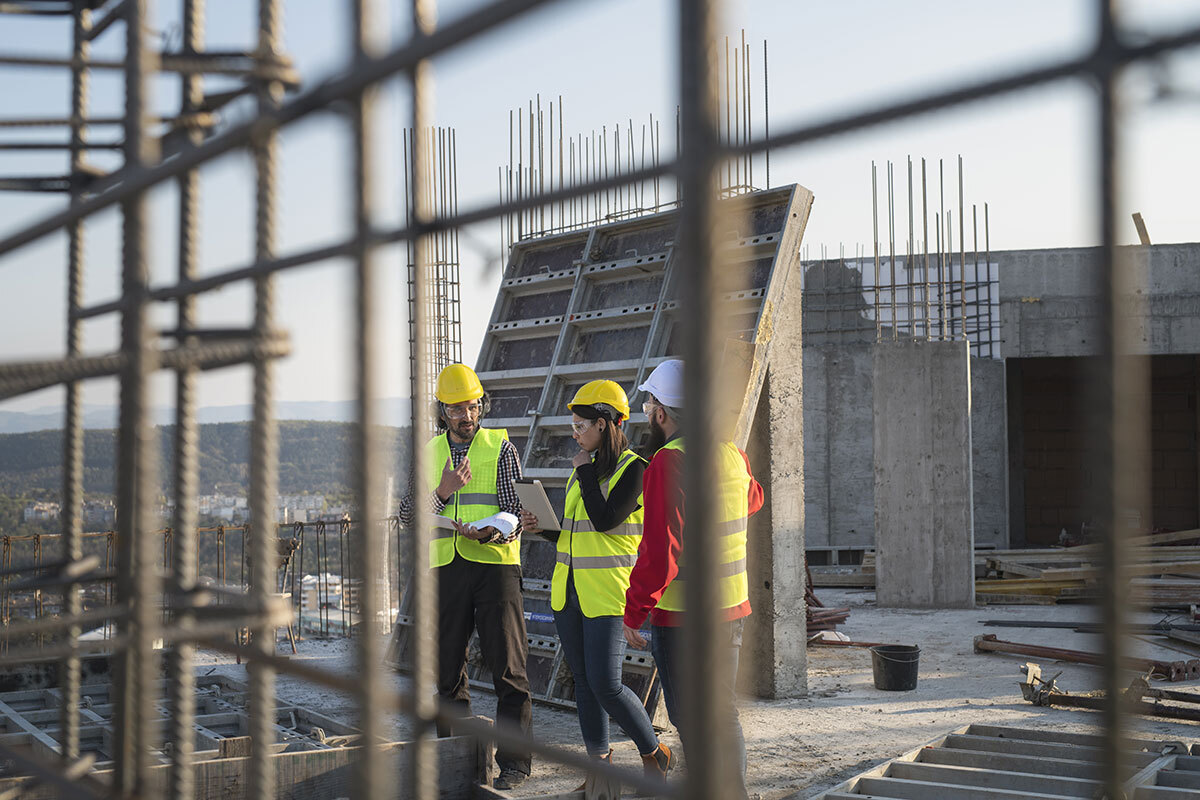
(666, 645)
(593, 649)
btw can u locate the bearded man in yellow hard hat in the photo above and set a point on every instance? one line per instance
(470, 479)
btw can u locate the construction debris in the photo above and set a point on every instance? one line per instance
(1042, 692)
(1171, 670)
(821, 618)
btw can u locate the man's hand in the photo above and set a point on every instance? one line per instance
(454, 479)
(529, 521)
(581, 458)
(476, 534)
(633, 638)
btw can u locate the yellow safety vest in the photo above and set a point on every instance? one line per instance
(602, 560)
(732, 508)
(472, 502)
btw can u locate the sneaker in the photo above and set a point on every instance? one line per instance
(509, 779)
(658, 764)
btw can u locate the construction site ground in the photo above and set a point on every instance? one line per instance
(845, 725)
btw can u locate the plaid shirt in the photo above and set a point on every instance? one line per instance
(508, 468)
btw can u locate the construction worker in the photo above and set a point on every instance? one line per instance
(470, 477)
(656, 586)
(597, 546)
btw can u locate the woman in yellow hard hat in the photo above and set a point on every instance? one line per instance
(597, 547)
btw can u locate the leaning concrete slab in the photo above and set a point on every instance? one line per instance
(924, 534)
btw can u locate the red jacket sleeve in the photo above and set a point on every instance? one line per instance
(755, 496)
(662, 536)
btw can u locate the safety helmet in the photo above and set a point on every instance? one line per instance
(603, 396)
(666, 383)
(458, 383)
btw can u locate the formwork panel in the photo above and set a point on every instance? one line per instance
(621, 242)
(554, 256)
(532, 306)
(521, 353)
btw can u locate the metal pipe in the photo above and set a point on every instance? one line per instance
(1171, 670)
(137, 445)
(422, 780)
(710, 773)
(71, 668)
(187, 436)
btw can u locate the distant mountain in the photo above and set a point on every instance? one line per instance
(394, 412)
(313, 457)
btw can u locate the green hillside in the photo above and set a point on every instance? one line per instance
(313, 457)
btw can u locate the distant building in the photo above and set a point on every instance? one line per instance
(99, 515)
(320, 591)
(41, 512)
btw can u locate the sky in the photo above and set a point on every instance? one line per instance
(1029, 156)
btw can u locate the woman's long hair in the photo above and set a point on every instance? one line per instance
(612, 441)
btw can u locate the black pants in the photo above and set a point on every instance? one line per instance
(486, 598)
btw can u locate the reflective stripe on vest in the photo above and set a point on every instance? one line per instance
(732, 508)
(599, 561)
(474, 501)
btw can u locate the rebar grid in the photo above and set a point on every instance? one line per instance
(1116, 382)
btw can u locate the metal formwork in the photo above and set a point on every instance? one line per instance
(147, 138)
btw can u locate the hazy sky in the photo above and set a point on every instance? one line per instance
(1029, 155)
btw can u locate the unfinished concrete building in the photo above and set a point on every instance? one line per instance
(1029, 435)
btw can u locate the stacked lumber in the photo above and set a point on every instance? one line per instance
(861, 576)
(1164, 570)
(819, 617)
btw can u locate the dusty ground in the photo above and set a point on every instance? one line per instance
(800, 747)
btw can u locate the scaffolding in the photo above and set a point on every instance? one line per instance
(168, 150)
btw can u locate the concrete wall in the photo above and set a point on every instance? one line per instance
(839, 449)
(1049, 303)
(839, 483)
(923, 521)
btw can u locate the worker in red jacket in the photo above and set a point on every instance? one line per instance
(656, 588)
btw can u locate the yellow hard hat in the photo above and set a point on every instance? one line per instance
(602, 393)
(458, 383)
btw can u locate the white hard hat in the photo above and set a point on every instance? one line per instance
(666, 383)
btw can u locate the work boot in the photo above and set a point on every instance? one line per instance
(509, 779)
(607, 758)
(658, 764)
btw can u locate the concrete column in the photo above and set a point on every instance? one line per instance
(924, 527)
(774, 659)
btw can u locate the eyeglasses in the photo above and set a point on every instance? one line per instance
(462, 412)
(648, 408)
(580, 427)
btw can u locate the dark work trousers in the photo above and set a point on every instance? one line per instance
(486, 598)
(666, 644)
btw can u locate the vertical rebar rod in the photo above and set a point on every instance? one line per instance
(561, 184)
(187, 435)
(422, 780)
(710, 771)
(72, 523)
(264, 449)
(908, 262)
(736, 102)
(746, 95)
(137, 445)
(948, 294)
(892, 248)
(943, 270)
(766, 114)
(370, 780)
(987, 260)
(728, 117)
(962, 253)
(875, 228)
(925, 244)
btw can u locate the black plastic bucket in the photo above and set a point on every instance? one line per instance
(895, 666)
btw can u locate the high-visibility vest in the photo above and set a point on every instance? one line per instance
(474, 501)
(731, 505)
(602, 560)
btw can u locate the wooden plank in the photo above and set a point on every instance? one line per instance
(1089, 573)
(996, 599)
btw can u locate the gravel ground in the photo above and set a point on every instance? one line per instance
(844, 726)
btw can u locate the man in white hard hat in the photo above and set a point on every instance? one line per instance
(656, 587)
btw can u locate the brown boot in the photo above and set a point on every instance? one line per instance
(658, 764)
(607, 758)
